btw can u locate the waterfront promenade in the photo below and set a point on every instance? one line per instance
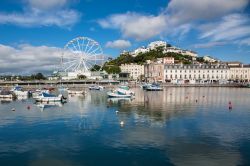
(106, 83)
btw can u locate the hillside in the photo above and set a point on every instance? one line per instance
(112, 66)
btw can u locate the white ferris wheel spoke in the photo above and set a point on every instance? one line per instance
(78, 45)
(93, 44)
(81, 54)
(86, 46)
(69, 66)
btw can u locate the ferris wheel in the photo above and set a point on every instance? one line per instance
(81, 55)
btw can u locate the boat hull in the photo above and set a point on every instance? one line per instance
(49, 99)
(10, 96)
(114, 95)
(154, 89)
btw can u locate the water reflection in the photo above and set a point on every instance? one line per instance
(178, 126)
(48, 105)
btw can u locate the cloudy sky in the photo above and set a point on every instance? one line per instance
(32, 32)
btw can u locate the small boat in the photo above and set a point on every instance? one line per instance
(144, 86)
(45, 97)
(96, 87)
(37, 92)
(154, 88)
(76, 92)
(18, 91)
(125, 90)
(116, 94)
(4, 94)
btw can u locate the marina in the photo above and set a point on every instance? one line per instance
(154, 127)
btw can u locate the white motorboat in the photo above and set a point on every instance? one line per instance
(18, 91)
(38, 92)
(117, 94)
(6, 95)
(96, 87)
(125, 90)
(45, 97)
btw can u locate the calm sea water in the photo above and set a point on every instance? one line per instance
(179, 126)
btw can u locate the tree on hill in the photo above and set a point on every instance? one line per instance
(38, 76)
(112, 66)
(95, 68)
(112, 69)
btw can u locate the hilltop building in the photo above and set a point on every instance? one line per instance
(155, 44)
(210, 59)
(139, 51)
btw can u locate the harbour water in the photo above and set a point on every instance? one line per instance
(177, 126)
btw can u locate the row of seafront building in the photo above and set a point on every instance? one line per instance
(165, 70)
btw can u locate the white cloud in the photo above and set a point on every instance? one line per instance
(140, 27)
(42, 13)
(245, 41)
(47, 4)
(209, 44)
(28, 59)
(178, 18)
(183, 11)
(229, 28)
(119, 44)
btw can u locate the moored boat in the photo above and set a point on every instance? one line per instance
(144, 86)
(96, 87)
(4, 94)
(116, 94)
(45, 97)
(37, 92)
(18, 91)
(125, 90)
(154, 88)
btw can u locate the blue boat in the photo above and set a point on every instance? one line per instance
(154, 88)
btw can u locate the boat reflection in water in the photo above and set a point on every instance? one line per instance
(48, 105)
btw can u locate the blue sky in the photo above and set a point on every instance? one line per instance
(32, 31)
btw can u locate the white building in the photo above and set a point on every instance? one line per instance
(135, 70)
(189, 53)
(139, 51)
(210, 59)
(240, 73)
(180, 51)
(155, 44)
(202, 73)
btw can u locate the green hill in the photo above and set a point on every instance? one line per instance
(112, 66)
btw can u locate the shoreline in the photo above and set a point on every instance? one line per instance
(86, 84)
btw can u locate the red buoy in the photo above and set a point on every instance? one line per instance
(230, 106)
